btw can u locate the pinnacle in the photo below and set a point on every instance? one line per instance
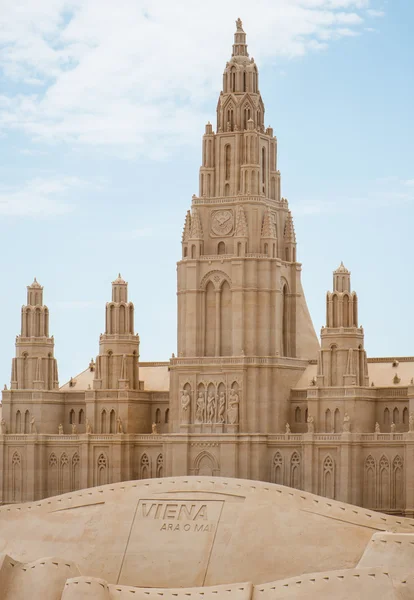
(196, 227)
(268, 226)
(289, 233)
(35, 284)
(241, 229)
(342, 268)
(187, 227)
(119, 280)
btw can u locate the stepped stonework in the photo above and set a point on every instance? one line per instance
(251, 392)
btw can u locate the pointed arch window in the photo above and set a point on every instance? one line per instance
(227, 158)
(277, 469)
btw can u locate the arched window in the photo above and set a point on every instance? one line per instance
(158, 416)
(27, 422)
(227, 158)
(328, 483)
(387, 417)
(285, 321)
(185, 251)
(233, 79)
(334, 364)
(277, 469)
(244, 81)
(298, 415)
(295, 475)
(18, 422)
(396, 416)
(263, 169)
(266, 249)
(221, 248)
(345, 309)
(328, 421)
(405, 416)
(81, 417)
(160, 465)
(167, 416)
(369, 482)
(193, 251)
(335, 310)
(112, 421)
(102, 478)
(145, 467)
(72, 417)
(103, 421)
(337, 421)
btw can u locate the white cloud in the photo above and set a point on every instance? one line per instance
(137, 75)
(375, 13)
(40, 197)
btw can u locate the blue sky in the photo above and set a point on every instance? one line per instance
(102, 109)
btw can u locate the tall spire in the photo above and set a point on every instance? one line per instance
(240, 46)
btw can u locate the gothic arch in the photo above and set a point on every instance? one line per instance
(337, 421)
(72, 417)
(216, 277)
(102, 469)
(75, 481)
(18, 424)
(277, 469)
(387, 417)
(396, 416)
(81, 417)
(405, 416)
(112, 422)
(328, 421)
(145, 467)
(384, 482)
(206, 464)
(167, 415)
(328, 477)
(298, 415)
(158, 416)
(17, 478)
(53, 483)
(160, 465)
(295, 471)
(103, 421)
(397, 483)
(345, 310)
(27, 422)
(285, 318)
(370, 482)
(64, 474)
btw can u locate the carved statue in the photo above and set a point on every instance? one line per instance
(211, 407)
(377, 427)
(119, 425)
(239, 25)
(228, 127)
(222, 408)
(411, 422)
(60, 429)
(74, 429)
(5, 387)
(33, 428)
(154, 429)
(347, 424)
(201, 404)
(233, 409)
(393, 427)
(311, 424)
(288, 428)
(3, 427)
(88, 426)
(185, 401)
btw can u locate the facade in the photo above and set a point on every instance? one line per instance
(251, 393)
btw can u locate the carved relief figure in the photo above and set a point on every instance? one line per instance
(119, 425)
(393, 427)
(88, 426)
(74, 429)
(60, 429)
(3, 427)
(311, 424)
(347, 423)
(288, 428)
(211, 407)
(377, 428)
(411, 422)
(201, 404)
(233, 410)
(33, 428)
(154, 429)
(185, 405)
(222, 408)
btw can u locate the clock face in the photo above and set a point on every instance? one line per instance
(222, 222)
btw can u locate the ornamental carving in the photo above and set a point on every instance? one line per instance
(222, 222)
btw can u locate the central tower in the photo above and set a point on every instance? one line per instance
(244, 331)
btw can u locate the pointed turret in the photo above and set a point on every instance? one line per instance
(268, 234)
(187, 228)
(239, 46)
(343, 355)
(34, 366)
(119, 345)
(289, 239)
(241, 233)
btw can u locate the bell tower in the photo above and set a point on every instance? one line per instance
(244, 330)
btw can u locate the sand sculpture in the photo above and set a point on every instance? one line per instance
(203, 537)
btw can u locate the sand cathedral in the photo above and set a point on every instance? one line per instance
(251, 393)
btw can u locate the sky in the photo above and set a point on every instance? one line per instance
(102, 109)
